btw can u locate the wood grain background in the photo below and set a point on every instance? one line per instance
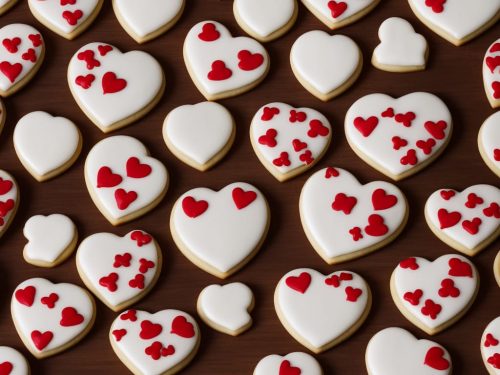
(453, 73)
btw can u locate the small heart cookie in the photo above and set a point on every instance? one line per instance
(12, 362)
(291, 364)
(9, 200)
(336, 14)
(490, 347)
(221, 65)
(434, 295)
(491, 74)
(489, 142)
(496, 268)
(468, 221)
(288, 141)
(123, 180)
(5, 5)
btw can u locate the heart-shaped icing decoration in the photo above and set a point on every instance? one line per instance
(496, 268)
(490, 347)
(336, 14)
(22, 51)
(321, 311)
(291, 364)
(113, 88)
(12, 362)
(200, 135)
(469, 220)
(395, 351)
(161, 343)
(49, 317)
(46, 145)
(220, 65)
(434, 295)
(326, 65)
(5, 5)
(491, 73)
(398, 137)
(288, 141)
(123, 180)
(119, 270)
(344, 220)
(9, 200)
(220, 231)
(489, 142)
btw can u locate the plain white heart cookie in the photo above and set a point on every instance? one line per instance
(489, 142)
(292, 364)
(336, 14)
(491, 74)
(490, 347)
(5, 5)
(9, 200)
(123, 180)
(113, 88)
(12, 362)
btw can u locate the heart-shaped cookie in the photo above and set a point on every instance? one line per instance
(344, 220)
(160, 343)
(326, 65)
(220, 231)
(395, 351)
(468, 221)
(9, 200)
(12, 362)
(220, 65)
(119, 270)
(336, 14)
(291, 364)
(489, 142)
(321, 311)
(491, 74)
(434, 295)
(113, 88)
(22, 51)
(398, 137)
(490, 347)
(46, 145)
(288, 141)
(51, 318)
(5, 5)
(200, 135)
(123, 180)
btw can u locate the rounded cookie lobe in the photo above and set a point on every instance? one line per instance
(289, 364)
(490, 347)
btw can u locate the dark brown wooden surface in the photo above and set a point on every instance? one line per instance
(453, 73)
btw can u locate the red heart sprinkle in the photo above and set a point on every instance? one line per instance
(50, 300)
(124, 198)
(269, 139)
(137, 170)
(11, 71)
(448, 219)
(410, 263)
(352, 294)
(282, 160)
(344, 203)
(287, 369)
(413, 297)
(5, 186)
(181, 327)
(219, 71)
(109, 282)
(383, 201)
(366, 127)
(209, 33)
(26, 296)
(70, 317)
(376, 226)
(299, 283)
(448, 289)
(107, 179)
(111, 84)
(337, 8)
(459, 268)
(405, 118)
(243, 198)
(11, 45)
(140, 237)
(269, 112)
(149, 330)
(436, 129)
(431, 309)
(435, 359)
(249, 61)
(41, 340)
(194, 208)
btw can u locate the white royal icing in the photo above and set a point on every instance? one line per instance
(276, 365)
(9, 196)
(489, 142)
(12, 362)
(491, 73)
(335, 12)
(490, 347)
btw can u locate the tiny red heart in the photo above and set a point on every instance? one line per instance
(107, 179)
(111, 84)
(376, 226)
(181, 327)
(243, 198)
(459, 268)
(337, 8)
(249, 61)
(383, 201)
(70, 317)
(194, 208)
(299, 283)
(287, 369)
(448, 219)
(209, 33)
(124, 198)
(219, 71)
(149, 330)
(137, 170)
(26, 296)
(41, 340)
(366, 127)
(435, 359)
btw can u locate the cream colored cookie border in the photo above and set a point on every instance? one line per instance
(401, 68)
(14, 210)
(496, 268)
(7, 6)
(495, 103)
(3, 115)
(484, 153)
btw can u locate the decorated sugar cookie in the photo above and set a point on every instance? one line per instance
(119, 270)
(3, 115)
(489, 142)
(322, 311)
(12, 362)
(491, 74)
(496, 268)
(220, 231)
(200, 135)
(9, 200)
(5, 5)
(434, 295)
(123, 180)
(395, 351)
(113, 88)
(221, 65)
(344, 220)
(162, 343)
(50, 318)
(490, 347)
(291, 364)
(468, 221)
(326, 65)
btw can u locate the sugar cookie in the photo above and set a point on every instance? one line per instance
(491, 74)
(5, 5)
(490, 347)
(489, 142)
(291, 364)
(12, 362)
(9, 200)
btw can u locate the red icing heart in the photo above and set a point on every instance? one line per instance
(11, 71)
(194, 208)
(29, 55)
(496, 89)
(337, 8)
(109, 282)
(493, 62)
(5, 207)
(344, 203)
(50, 300)
(413, 297)
(85, 81)
(398, 143)
(298, 145)
(352, 294)
(26, 296)
(11, 45)
(473, 200)
(219, 71)
(336, 280)
(6, 368)
(129, 315)
(436, 129)
(495, 48)
(493, 210)
(104, 49)
(5, 186)
(124, 198)
(70, 317)
(447, 194)
(149, 330)
(376, 226)
(282, 160)
(137, 281)
(366, 127)
(448, 289)
(145, 265)
(36, 39)
(122, 260)
(107, 179)
(243, 198)
(209, 33)
(89, 57)
(435, 359)
(389, 112)
(287, 369)
(494, 360)
(490, 340)
(383, 201)
(169, 350)
(405, 118)
(448, 219)
(306, 157)
(141, 238)
(426, 146)
(299, 283)
(437, 6)
(41, 340)
(181, 327)
(156, 350)
(459, 268)
(111, 84)
(269, 139)
(410, 263)
(356, 233)
(72, 17)
(317, 128)
(269, 112)
(119, 333)
(68, 2)
(249, 61)
(472, 226)
(496, 154)
(137, 170)
(331, 172)
(410, 158)
(431, 309)
(297, 116)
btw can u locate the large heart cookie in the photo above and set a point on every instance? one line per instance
(123, 180)
(345, 220)
(434, 295)
(469, 220)
(9, 200)
(292, 364)
(398, 137)
(5, 5)
(322, 311)
(220, 231)
(490, 347)
(288, 141)
(336, 14)
(491, 74)
(113, 88)
(12, 362)
(489, 142)
(220, 65)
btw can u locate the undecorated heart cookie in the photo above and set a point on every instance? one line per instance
(434, 295)
(9, 200)
(51, 318)
(322, 311)
(490, 347)
(288, 141)
(336, 14)
(489, 142)
(113, 88)
(292, 364)
(220, 65)
(220, 231)
(491, 74)
(12, 362)
(398, 137)
(468, 221)
(5, 5)
(496, 268)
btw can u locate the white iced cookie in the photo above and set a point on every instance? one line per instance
(468, 221)
(398, 137)
(51, 318)
(226, 308)
(46, 145)
(491, 74)
(3, 115)
(490, 347)
(336, 14)
(220, 231)
(322, 311)
(457, 21)
(292, 364)
(326, 65)
(68, 18)
(5, 5)
(155, 344)
(22, 51)
(113, 88)
(496, 268)
(489, 142)
(9, 200)
(147, 19)
(12, 362)
(265, 20)
(344, 220)
(220, 65)
(395, 351)
(123, 180)
(199, 135)
(51, 240)
(434, 295)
